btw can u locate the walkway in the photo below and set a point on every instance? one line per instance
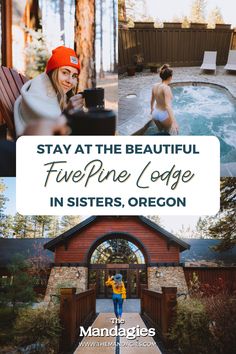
(119, 344)
(110, 85)
(106, 305)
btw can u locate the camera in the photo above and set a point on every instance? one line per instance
(93, 122)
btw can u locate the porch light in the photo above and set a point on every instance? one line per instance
(159, 274)
(78, 274)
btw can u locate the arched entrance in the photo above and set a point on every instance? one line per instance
(117, 253)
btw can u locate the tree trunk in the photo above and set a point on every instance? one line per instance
(85, 42)
(62, 21)
(114, 36)
(101, 74)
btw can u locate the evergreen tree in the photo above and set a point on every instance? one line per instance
(215, 17)
(44, 222)
(155, 218)
(184, 232)
(198, 11)
(224, 226)
(202, 227)
(20, 287)
(6, 223)
(3, 198)
(21, 226)
(3, 218)
(69, 221)
(54, 228)
(121, 10)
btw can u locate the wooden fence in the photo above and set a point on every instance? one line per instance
(211, 276)
(176, 46)
(159, 308)
(75, 310)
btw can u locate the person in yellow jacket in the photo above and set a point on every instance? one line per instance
(119, 293)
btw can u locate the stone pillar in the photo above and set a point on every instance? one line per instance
(168, 277)
(66, 277)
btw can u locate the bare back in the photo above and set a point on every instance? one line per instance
(161, 92)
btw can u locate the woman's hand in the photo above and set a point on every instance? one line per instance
(45, 126)
(75, 102)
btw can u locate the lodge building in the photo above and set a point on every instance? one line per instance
(143, 252)
(146, 254)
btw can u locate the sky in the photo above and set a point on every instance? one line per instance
(172, 223)
(166, 10)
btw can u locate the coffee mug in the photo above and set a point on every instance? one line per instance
(94, 98)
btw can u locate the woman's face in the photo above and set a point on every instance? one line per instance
(67, 78)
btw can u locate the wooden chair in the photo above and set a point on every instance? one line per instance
(10, 85)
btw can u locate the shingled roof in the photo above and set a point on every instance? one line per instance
(27, 247)
(202, 252)
(53, 243)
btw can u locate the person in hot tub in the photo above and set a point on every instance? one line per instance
(162, 113)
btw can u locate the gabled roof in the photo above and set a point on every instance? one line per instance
(52, 244)
(202, 251)
(27, 247)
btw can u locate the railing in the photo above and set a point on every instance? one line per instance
(75, 310)
(176, 46)
(159, 308)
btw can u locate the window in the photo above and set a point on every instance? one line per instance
(117, 250)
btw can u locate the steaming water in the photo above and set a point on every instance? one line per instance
(207, 110)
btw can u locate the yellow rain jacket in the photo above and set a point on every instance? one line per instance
(121, 290)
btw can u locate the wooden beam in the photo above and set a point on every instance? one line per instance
(6, 20)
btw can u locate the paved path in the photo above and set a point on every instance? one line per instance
(106, 305)
(119, 344)
(110, 84)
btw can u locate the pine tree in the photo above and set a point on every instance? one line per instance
(3, 198)
(54, 228)
(121, 10)
(155, 218)
(198, 11)
(20, 288)
(215, 17)
(69, 221)
(21, 226)
(224, 225)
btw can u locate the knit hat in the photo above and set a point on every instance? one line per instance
(62, 56)
(117, 277)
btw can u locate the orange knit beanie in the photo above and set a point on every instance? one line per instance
(62, 56)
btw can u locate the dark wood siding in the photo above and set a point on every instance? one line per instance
(211, 276)
(176, 46)
(155, 244)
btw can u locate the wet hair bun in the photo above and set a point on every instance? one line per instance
(163, 67)
(165, 72)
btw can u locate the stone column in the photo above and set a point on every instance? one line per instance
(167, 277)
(66, 277)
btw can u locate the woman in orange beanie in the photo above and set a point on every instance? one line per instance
(50, 93)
